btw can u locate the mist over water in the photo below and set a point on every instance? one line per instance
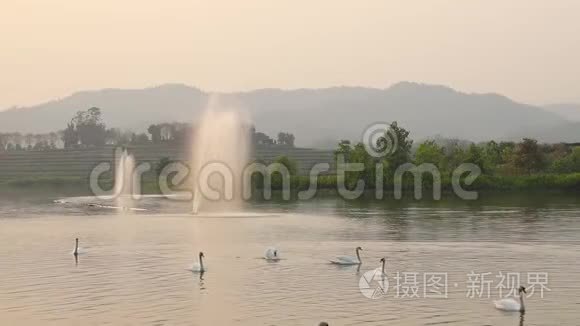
(220, 153)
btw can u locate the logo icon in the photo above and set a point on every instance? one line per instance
(374, 284)
(380, 140)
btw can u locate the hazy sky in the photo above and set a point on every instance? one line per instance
(526, 49)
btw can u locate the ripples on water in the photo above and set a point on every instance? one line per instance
(135, 268)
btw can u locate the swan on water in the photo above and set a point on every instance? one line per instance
(271, 254)
(348, 260)
(383, 262)
(199, 267)
(511, 304)
(77, 250)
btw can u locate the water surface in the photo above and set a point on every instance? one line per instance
(134, 271)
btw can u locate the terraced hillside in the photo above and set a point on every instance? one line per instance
(79, 163)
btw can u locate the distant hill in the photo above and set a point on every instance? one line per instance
(318, 117)
(124, 108)
(569, 111)
(567, 133)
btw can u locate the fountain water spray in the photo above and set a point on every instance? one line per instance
(220, 154)
(124, 181)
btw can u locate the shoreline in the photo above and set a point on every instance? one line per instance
(327, 185)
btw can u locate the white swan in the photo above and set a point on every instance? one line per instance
(77, 250)
(383, 282)
(383, 261)
(511, 304)
(271, 254)
(348, 260)
(199, 267)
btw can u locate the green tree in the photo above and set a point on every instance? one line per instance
(344, 148)
(475, 155)
(357, 154)
(70, 136)
(29, 140)
(507, 150)
(260, 138)
(491, 155)
(139, 139)
(454, 156)
(400, 154)
(53, 139)
(429, 152)
(569, 163)
(90, 128)
(17, 140)
(285, 138)
(528, 157)
(155, 132)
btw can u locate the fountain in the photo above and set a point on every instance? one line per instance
(220, 151)
(124, 181)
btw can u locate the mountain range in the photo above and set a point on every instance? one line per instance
(318, 117)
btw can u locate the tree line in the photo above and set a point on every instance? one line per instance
(88, 130)
(15, 141)
(497, 160)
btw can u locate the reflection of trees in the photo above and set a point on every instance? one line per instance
(451, 219)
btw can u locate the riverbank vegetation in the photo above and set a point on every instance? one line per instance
(504, 165)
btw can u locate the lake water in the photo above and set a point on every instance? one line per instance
(135, 269)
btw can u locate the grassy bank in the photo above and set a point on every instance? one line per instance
(539, 182)
(484, 182)
(33, 182)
